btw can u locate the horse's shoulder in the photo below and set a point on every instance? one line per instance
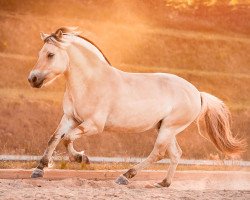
(67, 103)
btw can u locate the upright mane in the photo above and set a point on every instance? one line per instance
(57, 39)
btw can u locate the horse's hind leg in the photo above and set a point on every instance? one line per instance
(164, 137)
(165, 141)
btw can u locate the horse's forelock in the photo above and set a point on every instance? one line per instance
(56, 37)
(68, 30)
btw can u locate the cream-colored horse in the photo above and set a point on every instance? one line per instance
(100, 97)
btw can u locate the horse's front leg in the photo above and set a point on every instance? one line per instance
(66, 124)
(86, 128)
(74, 155)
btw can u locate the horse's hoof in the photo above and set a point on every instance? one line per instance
(122, 180)
(82, 158)
(37, 173)
(161, 185)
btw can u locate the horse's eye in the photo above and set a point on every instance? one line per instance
(50, 55)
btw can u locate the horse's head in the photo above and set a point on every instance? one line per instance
(52, 61)
(53, 58)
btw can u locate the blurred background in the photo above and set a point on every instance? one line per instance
(206, 42)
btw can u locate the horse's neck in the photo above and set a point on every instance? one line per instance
(85, 46)
(86, 68)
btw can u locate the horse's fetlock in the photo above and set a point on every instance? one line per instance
(80, 158)
(44, 162)
(130, 173)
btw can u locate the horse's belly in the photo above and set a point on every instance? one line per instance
(129, 127)
(136, 118)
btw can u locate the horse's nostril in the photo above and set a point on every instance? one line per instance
(34, 79)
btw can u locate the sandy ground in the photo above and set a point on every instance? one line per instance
(187, 185)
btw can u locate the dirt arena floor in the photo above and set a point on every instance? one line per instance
(15, 184)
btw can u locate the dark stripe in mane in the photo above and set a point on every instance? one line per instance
(95, 47)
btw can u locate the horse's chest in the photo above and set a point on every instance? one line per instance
(81, 111)
(77, 109)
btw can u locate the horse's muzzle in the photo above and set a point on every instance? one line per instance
(35, 80)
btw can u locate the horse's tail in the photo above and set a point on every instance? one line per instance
(218, 121)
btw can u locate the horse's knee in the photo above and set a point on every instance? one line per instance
(89, 127)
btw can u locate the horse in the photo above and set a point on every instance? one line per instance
(99, 97)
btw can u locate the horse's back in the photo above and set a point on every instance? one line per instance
(159, 86)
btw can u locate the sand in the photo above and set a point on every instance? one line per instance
(187, 185)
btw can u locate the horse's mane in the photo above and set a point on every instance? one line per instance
(70, 31)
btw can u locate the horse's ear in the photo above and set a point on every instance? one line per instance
(59, 34)
(43, 36)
